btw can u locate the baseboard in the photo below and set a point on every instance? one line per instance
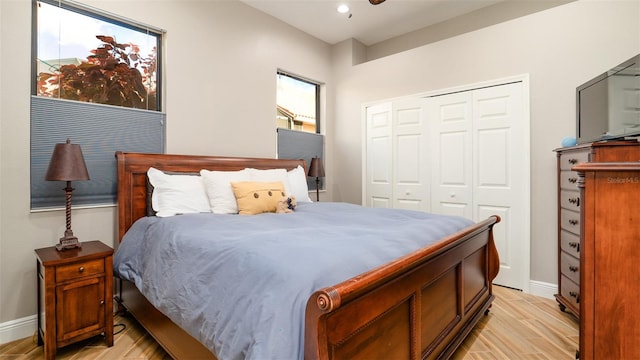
(18, 329)
(543, 289)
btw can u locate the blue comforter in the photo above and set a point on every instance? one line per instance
(240, 283)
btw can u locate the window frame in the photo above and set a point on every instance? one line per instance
(317, 86)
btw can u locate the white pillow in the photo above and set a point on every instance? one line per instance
(271, 175)
(177, 194)
(298, 181)
(218, 188)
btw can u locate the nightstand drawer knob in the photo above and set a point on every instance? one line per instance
(101, 302)
(81, 269)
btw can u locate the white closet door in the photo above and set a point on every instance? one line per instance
(480, 165)
(379, 180)
(410, 164)
(450, 120)
(501, 176)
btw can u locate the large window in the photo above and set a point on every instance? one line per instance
(97, 81)
(298, 120)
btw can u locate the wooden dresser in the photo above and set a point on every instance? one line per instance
(569, 211)
(609, 260)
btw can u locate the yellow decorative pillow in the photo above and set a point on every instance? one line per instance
(257, 197)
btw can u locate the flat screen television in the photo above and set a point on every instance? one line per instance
(608, 106)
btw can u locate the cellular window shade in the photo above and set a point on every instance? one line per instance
(100, 130)
(294, 144)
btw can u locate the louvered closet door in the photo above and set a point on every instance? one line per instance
(410, 157)
(378, 183)
(450, 119)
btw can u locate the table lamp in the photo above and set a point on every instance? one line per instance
(67, 164)
(316, 170)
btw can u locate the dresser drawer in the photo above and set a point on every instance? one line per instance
(570, 199)
(570, 243)
(570, 159)
(570, 291)
(569, 180)
(79, 269)
(570, 221)
(570, 267)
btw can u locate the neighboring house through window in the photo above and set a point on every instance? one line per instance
(298, 120)
(97, 81)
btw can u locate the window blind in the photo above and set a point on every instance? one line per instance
(100, 130)
(294, 144)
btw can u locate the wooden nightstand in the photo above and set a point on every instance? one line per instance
(75, 295)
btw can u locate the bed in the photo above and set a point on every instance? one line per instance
(421, 304)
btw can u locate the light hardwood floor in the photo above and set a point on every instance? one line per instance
(519, 326)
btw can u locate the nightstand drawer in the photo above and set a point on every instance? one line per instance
(79, 269)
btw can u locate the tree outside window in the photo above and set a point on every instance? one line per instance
(87, 58)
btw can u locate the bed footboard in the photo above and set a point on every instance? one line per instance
(420, 306)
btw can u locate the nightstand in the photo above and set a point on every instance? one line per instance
(75, 295)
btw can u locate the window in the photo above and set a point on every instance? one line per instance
(96, 81)
(297, 103)
(297, 119)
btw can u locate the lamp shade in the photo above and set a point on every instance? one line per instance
(67, 163)
(316, 169)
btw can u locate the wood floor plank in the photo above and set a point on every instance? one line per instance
(519, 326)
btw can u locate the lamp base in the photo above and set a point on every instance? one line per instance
(68, 243)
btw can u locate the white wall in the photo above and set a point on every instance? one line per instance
(221, 60)
(559, 48)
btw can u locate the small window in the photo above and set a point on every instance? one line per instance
(297, 103)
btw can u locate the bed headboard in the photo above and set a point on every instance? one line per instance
(132, 176)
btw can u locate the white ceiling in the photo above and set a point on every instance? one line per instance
(366, 23)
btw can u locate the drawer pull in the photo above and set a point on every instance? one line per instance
(575, 201)
(101, 302)
(575, 245)
(574, 294)
(573, 180)
(573, 222)
(573, 268)
(573, 161)
(81, 269)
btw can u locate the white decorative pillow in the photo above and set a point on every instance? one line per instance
(298, 181)
(218, 189)
(271, 175)
(177, 194)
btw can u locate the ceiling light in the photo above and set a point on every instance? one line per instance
(343, 8)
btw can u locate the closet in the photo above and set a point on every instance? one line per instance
(460, 153)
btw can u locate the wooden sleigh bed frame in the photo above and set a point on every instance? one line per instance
(422, 305)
